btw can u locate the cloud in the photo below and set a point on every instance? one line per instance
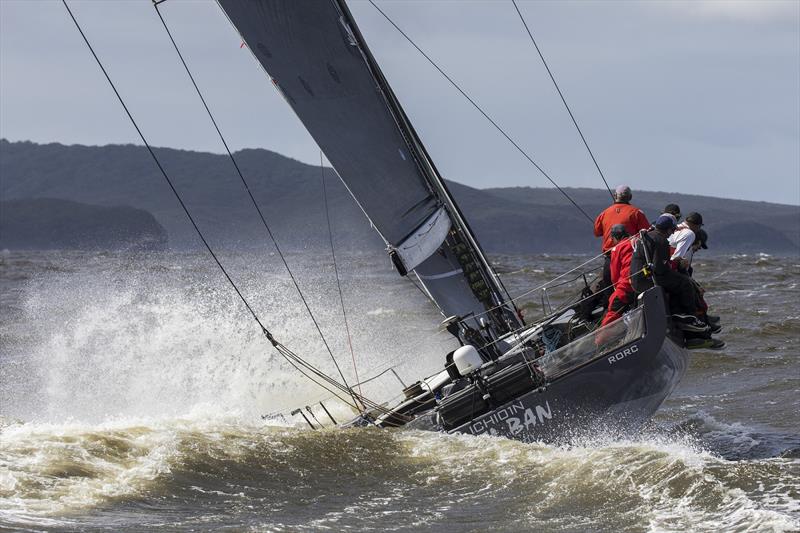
(742, 10)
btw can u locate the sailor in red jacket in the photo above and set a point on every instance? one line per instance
(620, 212)
(623, 296)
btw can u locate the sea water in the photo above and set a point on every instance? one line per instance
(137, 393)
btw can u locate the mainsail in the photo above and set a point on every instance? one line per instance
(316, 57)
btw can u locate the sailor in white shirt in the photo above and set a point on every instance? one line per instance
(684, 237)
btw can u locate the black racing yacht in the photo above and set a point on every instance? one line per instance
(540, 381)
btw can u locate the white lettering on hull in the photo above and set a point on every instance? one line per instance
(619, 356)
(529, 418)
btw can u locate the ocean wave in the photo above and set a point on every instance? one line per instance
(134, 397)
(735, 441)
(789, 326)
(666, 485)
(141, 343)
(361, 478)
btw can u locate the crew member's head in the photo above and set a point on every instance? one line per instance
(694, 221)
(666, 224)
(700, 240)
(618, 233)
(673, 210)
(623, 194)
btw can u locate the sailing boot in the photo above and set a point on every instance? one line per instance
(690, 323)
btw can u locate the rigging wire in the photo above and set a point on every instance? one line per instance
(336, 269)
(563, 308)
(642, 271)
(585, 143)
(485, 115)
(252, 198)
(360, 402)
(547, 284)
(296, 361)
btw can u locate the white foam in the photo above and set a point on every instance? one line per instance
(137, 341)
(47, 469)
(656, 484)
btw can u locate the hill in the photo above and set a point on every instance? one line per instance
(733, 225)
(46, 223)
(506, 220)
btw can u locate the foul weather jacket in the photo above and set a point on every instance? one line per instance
(621, 265)
(678, 286)
(619, 213)
(623, 295)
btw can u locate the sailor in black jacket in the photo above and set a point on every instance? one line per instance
(651, 252)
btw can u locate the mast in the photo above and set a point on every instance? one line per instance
(428, 168)
(316, 57)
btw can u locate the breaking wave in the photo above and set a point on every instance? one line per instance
(133, 393)
(391, 480)
(160, 342)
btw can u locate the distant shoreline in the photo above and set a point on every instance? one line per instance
(512, 220)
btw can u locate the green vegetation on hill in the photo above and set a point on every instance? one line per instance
(506, 220)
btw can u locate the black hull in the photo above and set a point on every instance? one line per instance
(615, 392)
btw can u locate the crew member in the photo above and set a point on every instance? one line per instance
(700, 242)
(623, 296)
(683, 238)
(652, 252)
(713, 321)
(674, 210)
(620, 212)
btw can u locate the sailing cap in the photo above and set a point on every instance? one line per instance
(666, 221)
(618, 231)
(695, 218)
(674, 210)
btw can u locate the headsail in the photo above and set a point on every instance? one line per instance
(316, 56)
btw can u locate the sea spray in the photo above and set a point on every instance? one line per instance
(193, 453)
(155, 340)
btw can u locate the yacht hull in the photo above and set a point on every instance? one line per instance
(616, 392)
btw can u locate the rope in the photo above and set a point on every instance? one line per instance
(518, 330)
(290, 356)
(485, 115)
(164, 174)
(547, 284)
(586, 144)
(252, 198)
(336, 270)
(564, 307)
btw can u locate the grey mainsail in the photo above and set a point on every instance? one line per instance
(316, 57)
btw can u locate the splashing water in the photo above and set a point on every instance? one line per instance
(132, 390)
(155, 340)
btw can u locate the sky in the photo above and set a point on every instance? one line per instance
(697, 97)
